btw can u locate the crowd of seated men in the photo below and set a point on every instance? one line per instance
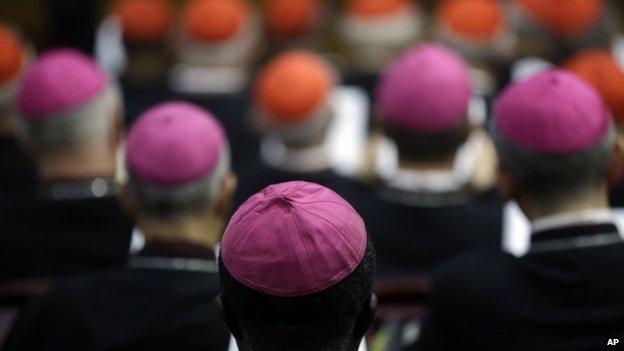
(314, 175)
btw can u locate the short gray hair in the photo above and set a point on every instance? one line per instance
(87, 123)
(163, 202)
(554, 178)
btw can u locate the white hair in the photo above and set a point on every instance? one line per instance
(164, 201)
(86, 124)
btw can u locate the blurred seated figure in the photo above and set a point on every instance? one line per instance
(296, 271)
(551, 29)
(295, 23)
(558, 150)
(478, 29)
(295, 113)
(432, 193)
(179, 188)
(374, 32)
(17, 174)
(69, 121)
(215, 44)
(145, 26)
(600, 69)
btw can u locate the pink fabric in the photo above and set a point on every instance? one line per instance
(426, 90)
(174, 143)
(553, 113)
(293, 239)
(58, 82)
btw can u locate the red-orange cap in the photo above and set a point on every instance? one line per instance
(293, 85)
(290, 18)
(476, 19)
(567, 18)
(599, 68)
(374, 8)
(11, 54)
(215, 20)
(144, 20)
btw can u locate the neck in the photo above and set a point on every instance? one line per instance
(77, 165)
(202, 231)
(596, 201)
(445, 164)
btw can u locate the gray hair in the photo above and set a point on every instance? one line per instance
(88, 123)
(555, 178)
(163, 202)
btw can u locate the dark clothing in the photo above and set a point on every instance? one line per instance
(565, 294)
(17, 175)
(155, 303)
(49, 238)
(616, 195)
(413, 239)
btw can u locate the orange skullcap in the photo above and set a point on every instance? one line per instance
(475, 19)
(289, 18)
(599, 68)
(293, 85)
(374, 8)
(215, 20)
(566, 18)
(144, 20)
(11, 54)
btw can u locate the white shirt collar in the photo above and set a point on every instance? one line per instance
(594, 216)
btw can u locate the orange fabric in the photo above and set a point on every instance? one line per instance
(293, 85)
(144, 20)
(11, 54)
(373, 8)
(289, 18)
(568, 18)
(479, 19)
(215, 20)
(599, 68)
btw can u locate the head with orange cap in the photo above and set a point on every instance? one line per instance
(378, 30)
(288, 19)
(601, 70)
(564, 18)
(291, 96)
(476, 27)
(13, 59)
(143, 20)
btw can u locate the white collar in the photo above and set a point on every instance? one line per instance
(278, 155)
(594, 216)
(387, 168)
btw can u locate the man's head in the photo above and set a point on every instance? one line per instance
(296, 270)
(143, 21)
(556, 144)
(565, 19)
(13, 59)
(178, 168)
(68, 110)
(291, 96)
(423, 103)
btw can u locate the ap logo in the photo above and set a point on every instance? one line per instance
(613, 342)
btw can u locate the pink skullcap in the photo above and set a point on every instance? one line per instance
(58, 82)
(552, 113)
(427, 90)
(174, 143)
(293, 239)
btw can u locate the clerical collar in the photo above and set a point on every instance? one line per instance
(276, 154)
(178, 256)
(586, 217)
(388, 170)
(77, 190)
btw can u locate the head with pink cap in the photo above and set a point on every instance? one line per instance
(69, 115)
(296, 271)
(556, 143)
(422, 100)
(179, 183)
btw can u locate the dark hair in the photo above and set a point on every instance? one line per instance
(424, 147)
(320, 321)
